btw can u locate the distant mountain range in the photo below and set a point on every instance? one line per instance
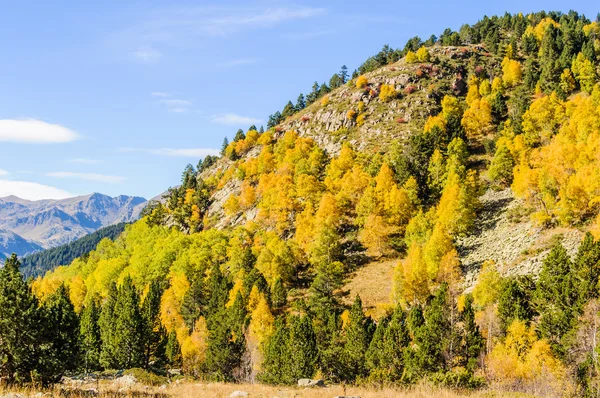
(30, 226)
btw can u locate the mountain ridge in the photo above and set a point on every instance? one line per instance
(48, 223)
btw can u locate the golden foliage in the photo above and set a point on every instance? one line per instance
(387, 92)
(362, 81)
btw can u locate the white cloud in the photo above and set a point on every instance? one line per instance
(84, 161)
(31, 190)
(34, 132)
(147, 55)
(185, 27)
(237, 62)
(174, 105)
(232, 119)
(4, 172)
(87, 177)
(184, 152)
(160, 94)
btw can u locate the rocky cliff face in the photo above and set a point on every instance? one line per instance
(34, 225)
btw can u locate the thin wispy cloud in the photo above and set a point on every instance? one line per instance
(186, 27)
(147, 55)
(4, 172)
(308, 35)
(84, 161)
(31, 190)
(160, 94)
(32, 131)
(237, 62)
(109, 179)
(172, 152)
(231, 119)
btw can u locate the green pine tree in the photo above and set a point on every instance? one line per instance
(278, 294)
(173, 350)
(473, 340)
(128, 324)
(193, 302)
(154, 336)
(357, 341)
(106, 322)
(89, 336)
(276, 356)
(396, 341)
(19, 325)
(60, 347)
(302, 347)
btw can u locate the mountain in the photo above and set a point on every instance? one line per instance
(433, 218)
(13, 243)
(44, 224)
(37, 264)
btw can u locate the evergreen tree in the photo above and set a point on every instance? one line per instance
(173, 350)
(343, 74)
(329, 278)
(300, 103)
(194, 302)
(106, 323)
(262, 129)
(396, 340)
(473, 340)
(375, 355)
(279, 294)
(89, 336)
(19, 325)
(154, 336)
(514, 301)
(288, 110)
(223, 147)
(252, 128)
(357, 341)
(555, 297)
(275, 364)
(587, 268)
(302, 347)
(239, 135)
(60, 347)
(128, 327)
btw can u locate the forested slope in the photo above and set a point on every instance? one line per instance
(241, 270)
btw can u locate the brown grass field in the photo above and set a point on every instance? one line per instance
(216, 390)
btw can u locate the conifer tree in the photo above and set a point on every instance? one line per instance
(555, 297)
(106, 322)
(396, 340)
(154, 336)
(275, 370)
(193, 302)
(223, 147)
(173, 350)
(587, 268)
(278, 294)
(60, 341)
(89, 336)
(514, 301)
(128, 327)
(302, 347)
(473, 340)
(19, 324)
(357, 341)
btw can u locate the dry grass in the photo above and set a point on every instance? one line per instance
(216, 390)
(373, 283)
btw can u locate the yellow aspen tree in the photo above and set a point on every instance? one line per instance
(477, 119)
(410, 278)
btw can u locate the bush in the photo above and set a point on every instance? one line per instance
(387, 93)
(325, 100)
(362, 82)
(146, 377)
(423, 55)
(361, 107)
(411, 57)
(351, 114)
(410, 89)
(360, 120)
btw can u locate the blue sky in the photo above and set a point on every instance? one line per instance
(117, 97)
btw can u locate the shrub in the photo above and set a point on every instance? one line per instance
(411, 57)
(361, 82)
(361, 106)
(360, 120)
(423, 55)
(387, 93)
(351, 114)
(401, 120)
(305, 118)
(410, 89)
(420, 73)
(325, 100)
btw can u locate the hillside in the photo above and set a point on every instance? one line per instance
(13, 243)
(48, 223)
(435, 217)
(37, 264)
